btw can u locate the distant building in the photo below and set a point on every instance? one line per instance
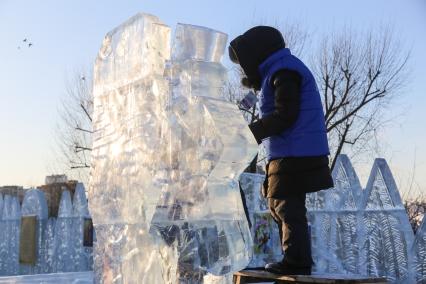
(55, 185)
(56, 179)
(13, 190)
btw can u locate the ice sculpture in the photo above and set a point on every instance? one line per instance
(210, 146)
(333, 216)
(387, 231)
(34, 204)
(264, 230)
(167, 154)
(419, 251)
(82, 256)
(63, 237)
(129, 150)
(9, 233)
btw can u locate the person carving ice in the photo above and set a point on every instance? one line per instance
(291, 127)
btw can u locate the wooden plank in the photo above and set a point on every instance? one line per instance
(255, 276)
(27, 242)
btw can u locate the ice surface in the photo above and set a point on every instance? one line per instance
(333, 218)
(1, 205)
(129, 150)
(387, 231)
(168, 152)
(356, 231)
(82, 256)
(80, 206)
(9, 236)
(54, 278)
(63, 235)
(34, 204)
(264, 230)
(201, 212)
(48, 246)
(419, 250)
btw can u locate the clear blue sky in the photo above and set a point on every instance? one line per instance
(68, 34)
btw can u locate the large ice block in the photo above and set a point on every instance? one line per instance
(129, 154)
(167, 154)
(386, 230)
(210, 146)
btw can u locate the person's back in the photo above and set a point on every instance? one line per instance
(292, 130)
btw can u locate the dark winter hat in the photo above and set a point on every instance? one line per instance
(252, 48)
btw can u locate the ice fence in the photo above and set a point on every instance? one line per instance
(58, 241)
(353, 230)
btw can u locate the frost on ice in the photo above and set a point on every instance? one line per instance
(168, 152)
(365, 232)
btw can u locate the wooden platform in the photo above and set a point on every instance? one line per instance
(257, 276)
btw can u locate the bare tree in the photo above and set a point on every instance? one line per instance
(416, 210)
(359, 76)
(74, 135)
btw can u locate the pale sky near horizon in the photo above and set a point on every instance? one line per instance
(67, 35)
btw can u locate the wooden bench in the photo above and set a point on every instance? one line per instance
(257, 276)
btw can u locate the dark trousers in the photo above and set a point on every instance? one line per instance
(290, 215)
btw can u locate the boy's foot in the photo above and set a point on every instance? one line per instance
(286, 269)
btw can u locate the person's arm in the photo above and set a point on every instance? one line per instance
(287, 85)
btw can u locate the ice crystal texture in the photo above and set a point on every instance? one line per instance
(355, 231)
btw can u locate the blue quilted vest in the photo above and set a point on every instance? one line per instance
(308, 135)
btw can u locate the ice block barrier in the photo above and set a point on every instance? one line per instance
(9, 236)
(365, 232)
(47, 245)
(82, 255)
(167, 154)
(34, 204)
(419, 251)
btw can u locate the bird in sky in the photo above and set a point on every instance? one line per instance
(30, 44)
(24, 40)
(83, 78)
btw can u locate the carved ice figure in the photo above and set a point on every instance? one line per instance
(419, 250)
(167, 154)
(129, 157)
(9, 236)
(387, 233)
(34, 204)
(63, 245)
(201, 212)
(82, 256)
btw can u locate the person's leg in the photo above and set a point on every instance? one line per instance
(291, 213)
(272, 204)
